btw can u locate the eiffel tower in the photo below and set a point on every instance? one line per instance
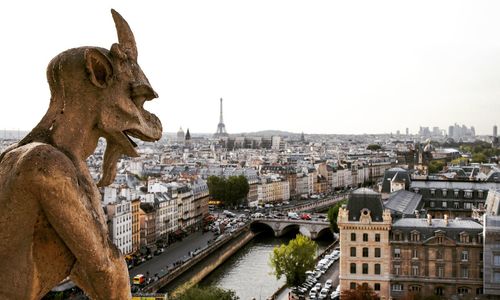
(221, 128)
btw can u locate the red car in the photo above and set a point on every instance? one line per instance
(305, 217)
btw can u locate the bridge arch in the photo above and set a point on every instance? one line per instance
(289, 229)
(262, 227)
(325, 233)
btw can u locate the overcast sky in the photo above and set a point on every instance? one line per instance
(311, 66)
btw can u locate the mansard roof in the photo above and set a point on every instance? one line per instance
(364, 198)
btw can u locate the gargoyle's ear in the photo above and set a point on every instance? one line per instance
(99, 68)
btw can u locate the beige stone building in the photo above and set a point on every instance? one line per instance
(364, 243)
(136, 228)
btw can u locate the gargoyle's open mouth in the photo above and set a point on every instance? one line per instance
(134, 144)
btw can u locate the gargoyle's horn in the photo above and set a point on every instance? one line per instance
(125, 36)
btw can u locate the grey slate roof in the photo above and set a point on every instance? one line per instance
(404, 202)
(365, 198)
(462, 224)
(397, 174)
(451, 185)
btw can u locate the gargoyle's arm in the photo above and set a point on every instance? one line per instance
(99, 269)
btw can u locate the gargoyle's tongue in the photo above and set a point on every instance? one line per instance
(111, 156)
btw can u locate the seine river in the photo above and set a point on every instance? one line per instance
(248, 272)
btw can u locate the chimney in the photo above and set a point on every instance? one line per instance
(445, 220)
(429, 219)
(417, 215)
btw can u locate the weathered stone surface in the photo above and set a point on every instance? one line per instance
(51, 221)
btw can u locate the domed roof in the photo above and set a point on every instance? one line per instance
(429, 147)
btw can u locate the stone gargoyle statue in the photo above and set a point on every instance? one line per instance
(52, 224)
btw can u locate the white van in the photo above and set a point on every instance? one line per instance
(293, 215)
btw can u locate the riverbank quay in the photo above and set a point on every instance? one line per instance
(235, 246)
(283, 292)
(222, 240)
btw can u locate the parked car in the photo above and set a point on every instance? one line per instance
(323, 294)
(328, 284)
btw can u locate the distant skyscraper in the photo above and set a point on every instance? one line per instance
(495, 131)
(407, 131)
(451, 130)
(221, 128)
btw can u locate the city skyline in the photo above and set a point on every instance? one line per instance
(331, 68)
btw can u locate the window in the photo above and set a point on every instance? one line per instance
(397, 269)
(365, 252)
(456, 193)
(468, 205)
(365, 237)
(481, 274)
(464, 238)
(397, 253)
(445, 192)
(433, 192)
(352, 286)
(415, 271)
(365, 268)
(465, 255)
(415, 236)
(377, 237)
(377, 252)
(464, 272)
(415, 288)
(468, 194)
(479, 291)
(439, 291)
(376, 286)
(463, 290)
(353, 251)
(456, 205)
(444, 204)
(414, 253)
(440, 271)
(353, 268)
(496, 259)
(480, 194)
(377, 269)
(397, 236)
(439, 254)
(353, 237)
(496, 277)
(432, 204)
(397, 287)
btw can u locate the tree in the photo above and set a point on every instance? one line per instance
(294, 259)
(435, 166)
(333, 212)
(207, 293)
(479, 157)
(362, 292)
(231, 191)
(374, 147)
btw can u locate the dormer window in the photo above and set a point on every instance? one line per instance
(464, 237)
(468, 194)
(480, 194)
(445, 192)
(456, 193)
(433, 192)
(415, 236)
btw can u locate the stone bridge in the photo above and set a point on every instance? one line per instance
(311, 229)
